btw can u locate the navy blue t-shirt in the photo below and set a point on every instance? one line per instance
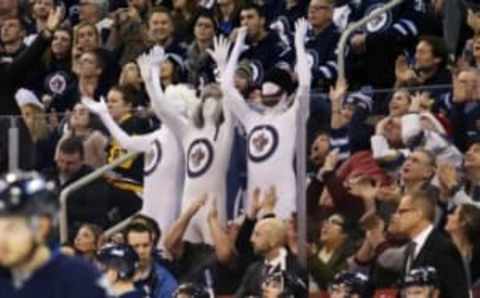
(60, 277)
(133, 294)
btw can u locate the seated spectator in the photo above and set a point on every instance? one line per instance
(268, 241)
(334, 246)
(86, 241)
(161, 31)
(40, 11)
(463, 226)
(84, 125)
(150, 277)
(91, 203)
(94, 12)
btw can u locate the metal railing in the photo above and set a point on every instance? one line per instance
(79, 184)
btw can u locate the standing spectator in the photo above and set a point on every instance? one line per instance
(199, 65)
(323, 44)
(151, 278)
(94, 12)
(265, 49)
(427, 246)
(12, 35)
(268, 239)
(161, 31)
(227, 14)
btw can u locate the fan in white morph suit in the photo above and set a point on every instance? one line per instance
(163, 167)
(272, 129)
(206, 136)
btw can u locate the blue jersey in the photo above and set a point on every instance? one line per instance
(60, 277)
(133, 294)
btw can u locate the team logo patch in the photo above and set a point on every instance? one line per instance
(57, 83)
(153, 158)
(199, 157)
(312, 58)
(262, 142)
(379, 23)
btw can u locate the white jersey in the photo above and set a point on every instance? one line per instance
(207, 155)
(271, 149)
(163, 170)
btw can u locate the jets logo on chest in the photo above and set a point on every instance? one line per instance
(262, 142)
(153, 158)
(199, 157)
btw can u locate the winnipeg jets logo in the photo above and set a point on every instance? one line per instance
(200, 157)
(57, 83)
(379, 23)
(153, 158)
(312, 58)
(262, 142)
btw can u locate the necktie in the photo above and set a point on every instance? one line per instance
(410, 255)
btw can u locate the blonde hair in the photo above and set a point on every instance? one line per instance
(38, 125)
(276, 229)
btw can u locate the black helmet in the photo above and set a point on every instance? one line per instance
(191, 290)
(421, 276)
(357, 283)
(121, 257)
(27, 194)
(293, 285)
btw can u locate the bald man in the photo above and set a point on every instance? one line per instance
(268, 240)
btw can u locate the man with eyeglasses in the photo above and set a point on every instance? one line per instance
(413, 219)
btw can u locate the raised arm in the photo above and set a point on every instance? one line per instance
(224, 247)
(131, 143)
(150, 71)
(233, 100)
(174, 237)
(303, 70)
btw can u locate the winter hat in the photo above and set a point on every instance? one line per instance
(25, 96)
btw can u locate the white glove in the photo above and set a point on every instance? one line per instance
(240, 40)
(301, 28)
(144, 62)
(100, 108)
(302, 68)
(219, 54)
(157, 55)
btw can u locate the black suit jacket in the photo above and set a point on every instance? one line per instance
(440, 253)
(252, 280)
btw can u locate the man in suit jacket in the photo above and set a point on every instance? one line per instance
(428, 247)
(268, 239)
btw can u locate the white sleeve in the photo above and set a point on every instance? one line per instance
(138, 143)
(162, 108)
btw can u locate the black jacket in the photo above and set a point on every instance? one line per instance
(89, 204)
(252, 280)
(441, 253)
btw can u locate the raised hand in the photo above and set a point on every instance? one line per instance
(157, 55)
(448, 178)
(364, 187)
(338, 93)
(331, 160)
(213, 211)
(219, 54)
(240, 38)
(255, 206)
(143, 62)
(99, 108)
(270, 200)
(301, 28)
(54, 19)
(403, 72)
(197, 204)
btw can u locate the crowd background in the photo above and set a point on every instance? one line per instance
(393, 149)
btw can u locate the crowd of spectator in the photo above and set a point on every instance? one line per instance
(210, 94)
